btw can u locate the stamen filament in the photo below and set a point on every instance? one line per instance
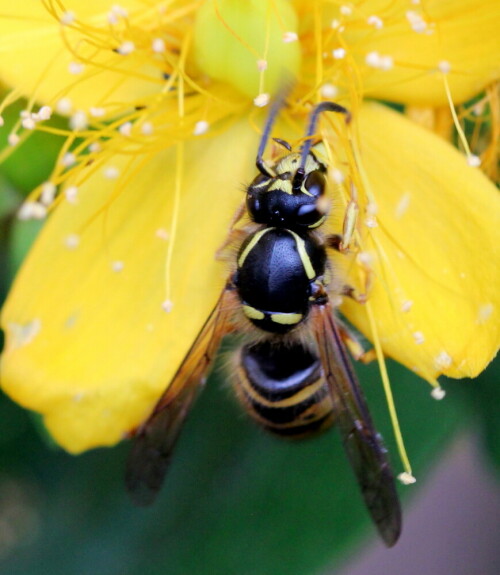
(388, 391)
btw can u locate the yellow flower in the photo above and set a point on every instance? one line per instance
(163, 103)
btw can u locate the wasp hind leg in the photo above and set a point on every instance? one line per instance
(354, 345)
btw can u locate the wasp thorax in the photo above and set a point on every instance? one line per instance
(272, 199)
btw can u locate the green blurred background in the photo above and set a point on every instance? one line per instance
(235, 501)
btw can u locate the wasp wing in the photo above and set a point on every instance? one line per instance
(364, 447)
(155, 439)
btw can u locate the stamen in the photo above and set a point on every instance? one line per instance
(13, 139)
(261, 65)
(96, 112)
(147, 128)
(200, 128)
(162, 234)
(126, 48)
(329, 91)
(290, 37)
(473, 160)
(406, 478)
(72, 241)
(419, 338)
(67, 18)
(167, 305)
(78, 121)
(444, 66)
(438, 393)
(44, 113)
(64, 106)
(23, 334)
(389, 397)
(75, 68)
(339, 53)
(111, 172)
(158, 46)
(443, 360)
(28, 123)
(125, 129)
(48, 193)
(403, 205)
(337, 176)
(375, 21)
(117, 266)
(406, 306)
(68, 159)
(262, 100)
(116, 13)
(32, 211)
(484, 313)
(71, 194)
(417, 22)
(375, 60)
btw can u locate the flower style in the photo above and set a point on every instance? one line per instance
(164, 102)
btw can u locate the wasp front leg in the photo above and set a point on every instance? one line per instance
(344, 243)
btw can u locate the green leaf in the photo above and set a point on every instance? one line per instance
(235, 500)
(30, 163)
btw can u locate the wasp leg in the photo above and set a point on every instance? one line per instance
(238, 214)
(351, 292)
(224, 253)
(234, 234)
(353, 344)
(344, 242)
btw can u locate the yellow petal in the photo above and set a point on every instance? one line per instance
(38, 53)
(434, 250)
(459, 37)
(88, 343)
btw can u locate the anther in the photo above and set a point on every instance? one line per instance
(438, 393)
(406, 478)
(261, 100)
(200, 128)
(290, 37)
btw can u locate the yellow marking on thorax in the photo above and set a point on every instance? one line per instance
(318, 223)
(251, 244)
(281, 186)
(304, 258)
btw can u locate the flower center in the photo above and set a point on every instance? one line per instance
(252, 46)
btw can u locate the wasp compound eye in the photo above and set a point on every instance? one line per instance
(315, 183)
(308, 215)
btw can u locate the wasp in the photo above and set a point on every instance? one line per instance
(294, 377)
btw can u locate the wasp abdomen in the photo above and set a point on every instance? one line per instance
(276, 270)
(283, 389)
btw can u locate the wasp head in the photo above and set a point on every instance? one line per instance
(290, 196)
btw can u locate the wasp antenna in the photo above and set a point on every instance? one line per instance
(283, 143)
(275, 108)
(311, 129)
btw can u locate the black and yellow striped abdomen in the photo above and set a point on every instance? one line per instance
(276, 272)
(283, 389)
